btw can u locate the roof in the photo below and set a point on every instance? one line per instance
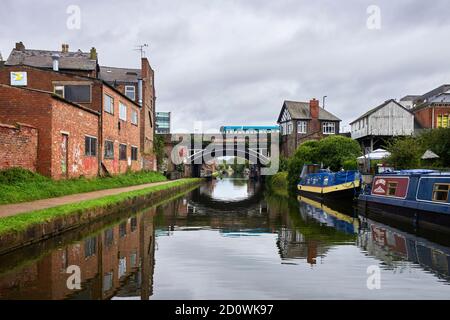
(368, 113)
(410, 97)
(43, 58)
(126, 75)
(52, 95)
(89, 79)
(300, 110)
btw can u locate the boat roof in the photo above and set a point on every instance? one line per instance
(416, 172)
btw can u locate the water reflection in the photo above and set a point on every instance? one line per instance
(230, 240)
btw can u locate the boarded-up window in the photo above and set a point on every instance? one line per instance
(123, 152)
(90, 146)
(75, 93)
(134, 153)
(109, 150)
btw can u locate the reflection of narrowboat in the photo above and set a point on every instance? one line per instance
(322, 183)
(330, 217)
(420, 194)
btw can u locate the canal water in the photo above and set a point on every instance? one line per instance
(231, 239)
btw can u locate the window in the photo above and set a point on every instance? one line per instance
(59, 90)
(134, 153)
(109, 104)
(109, 150)
(90, 247)
(123, 229)
(90, 146)
(109, 237)
(134, 117)
(439, 121)
(122, 111)
(392, 188)
(130, 92)
(440, 192)
(133, 224)
(445, 121)
(329, 128)
(302, 127)
(123, 152)
(78, 93)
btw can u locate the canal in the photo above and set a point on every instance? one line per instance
(231, 239)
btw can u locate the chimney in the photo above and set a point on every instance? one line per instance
(65, 48)
(93, 55)
(55, 58)
(314, 108)
(20, 46)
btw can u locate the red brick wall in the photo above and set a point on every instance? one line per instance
(128, 134)
(51, 117)
(18, 147)
(148, 108)
(425, 116)
(18, 105)
(77, 124)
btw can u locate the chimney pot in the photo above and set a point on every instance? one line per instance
(65, 48)
(93, 54)
(20, 46)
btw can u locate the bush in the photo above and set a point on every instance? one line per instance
(350, 164)
(405, 153)
(438, 141)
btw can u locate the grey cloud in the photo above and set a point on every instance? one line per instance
(234, 62)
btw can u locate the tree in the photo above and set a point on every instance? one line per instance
(305, 153)
(438, 141)
(334, 151)
(405, 152)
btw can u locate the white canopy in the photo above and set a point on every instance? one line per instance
(429, 155)
(376, 155)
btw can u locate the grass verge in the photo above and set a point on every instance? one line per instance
(22, 221)
(19, 185)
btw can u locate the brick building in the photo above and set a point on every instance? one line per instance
(13, 141)
(118, 127)
(303, 121)
(65, 149)
(432, 110)
(138, 85)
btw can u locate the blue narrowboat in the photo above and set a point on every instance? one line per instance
(422, 195)
(324, 184)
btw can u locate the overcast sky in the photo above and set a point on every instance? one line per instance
(235, 62)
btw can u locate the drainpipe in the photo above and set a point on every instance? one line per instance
(432, 119)
(140, 92)
(100, 134)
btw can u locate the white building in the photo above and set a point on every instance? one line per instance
(388, 120)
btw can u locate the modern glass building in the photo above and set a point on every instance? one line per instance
(162, 122)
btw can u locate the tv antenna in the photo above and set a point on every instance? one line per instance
(140, 48)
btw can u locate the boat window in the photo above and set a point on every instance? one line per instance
(440, 192)
(392, 188)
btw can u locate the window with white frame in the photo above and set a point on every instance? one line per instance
(290, 127)
(130, 92)
(59, 90)
(329, 128)
(109, 104)
(302, 127)
(122, 111)
(134, 117)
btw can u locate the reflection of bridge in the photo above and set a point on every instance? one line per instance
(193, 151)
